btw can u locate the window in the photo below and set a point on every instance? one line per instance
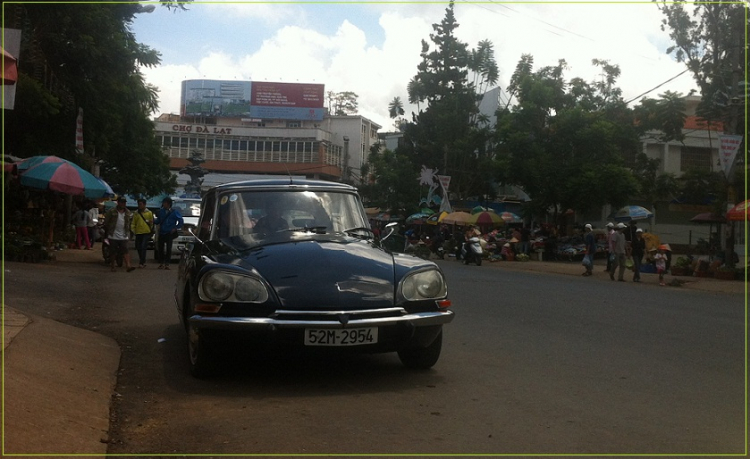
(293, 124)
(694, 158)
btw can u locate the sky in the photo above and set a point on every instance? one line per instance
(373, 49)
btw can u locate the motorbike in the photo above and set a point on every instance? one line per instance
(436, 247)
(472, 251)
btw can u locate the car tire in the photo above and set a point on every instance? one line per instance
(422, 358)
(199, 354)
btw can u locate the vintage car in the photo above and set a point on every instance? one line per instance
(293, 265)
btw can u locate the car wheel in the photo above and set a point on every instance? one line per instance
(199, 353)
(422, 357)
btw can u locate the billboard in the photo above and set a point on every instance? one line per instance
(221, 98)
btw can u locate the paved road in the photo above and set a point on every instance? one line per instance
(534, 363)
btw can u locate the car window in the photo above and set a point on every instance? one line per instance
(256, 215)
(207, 216)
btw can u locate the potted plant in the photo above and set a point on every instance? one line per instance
(726, 273)
(682, 267)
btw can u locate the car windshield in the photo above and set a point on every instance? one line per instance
(188, 208)
(248, 218)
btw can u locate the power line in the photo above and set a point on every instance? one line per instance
(657, 87)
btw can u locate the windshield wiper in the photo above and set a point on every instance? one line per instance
(309, 229)
(359, 228)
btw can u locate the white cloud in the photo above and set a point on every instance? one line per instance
(341, 55)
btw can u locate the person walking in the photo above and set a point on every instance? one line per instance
(660, 260)
(93, 210)
(81, 220)
(619, 252)
(143, 228)
(589, 241)
(637, 249)
(117, 223)
(610, 245)
(170, 222)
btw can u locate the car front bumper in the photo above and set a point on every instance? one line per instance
(327, 319)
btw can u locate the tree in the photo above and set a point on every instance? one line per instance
(396, 185)
(84, 55)
(342, 103)
(652, 185)
(563, 142)
(446, 134)
(396, 111)
(712, 44)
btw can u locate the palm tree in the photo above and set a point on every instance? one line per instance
(396, 107)
(415, 89)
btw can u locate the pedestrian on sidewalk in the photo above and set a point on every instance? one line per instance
(610, 245)
(143, 228)
(660, 260)
(170, 222)
(93, 210)
(637, 248)
(81, 220)
(590, 242)
(619, 254)
(117, 229)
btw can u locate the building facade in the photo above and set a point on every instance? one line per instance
(262, 128)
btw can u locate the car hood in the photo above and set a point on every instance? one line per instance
(329, 273)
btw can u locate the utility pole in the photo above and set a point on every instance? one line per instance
(346, 160)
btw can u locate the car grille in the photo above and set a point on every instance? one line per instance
(337, 315)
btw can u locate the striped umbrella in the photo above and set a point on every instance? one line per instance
(28, 163)
(64, 177)
(486, 218)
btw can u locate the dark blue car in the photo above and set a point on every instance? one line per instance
(293, 264)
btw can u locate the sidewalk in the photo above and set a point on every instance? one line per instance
(59, 379)
(574, 268)
(58, 382)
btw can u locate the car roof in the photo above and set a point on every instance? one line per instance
(285, 184)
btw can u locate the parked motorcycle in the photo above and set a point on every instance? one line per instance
(471, 251)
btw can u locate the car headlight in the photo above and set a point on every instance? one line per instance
(225, 286)
(423, 285)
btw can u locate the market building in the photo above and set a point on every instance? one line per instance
(263, 128)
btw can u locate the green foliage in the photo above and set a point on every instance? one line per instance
(84, 55)
(565, 147)
(711, 43)
(396, 186)
(666, 116)
(342, 103)
(448, 133)
(652, 185)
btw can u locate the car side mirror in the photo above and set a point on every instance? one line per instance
(390, 228)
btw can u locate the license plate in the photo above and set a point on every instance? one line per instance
(340, 337)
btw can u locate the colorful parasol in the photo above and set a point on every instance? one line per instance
(629, 213)
(434, 219)
(739, 212)
(64, 177)
(510, 218)
(486, 218)
(457, 218)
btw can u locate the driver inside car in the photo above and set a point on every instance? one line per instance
(271, 222)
